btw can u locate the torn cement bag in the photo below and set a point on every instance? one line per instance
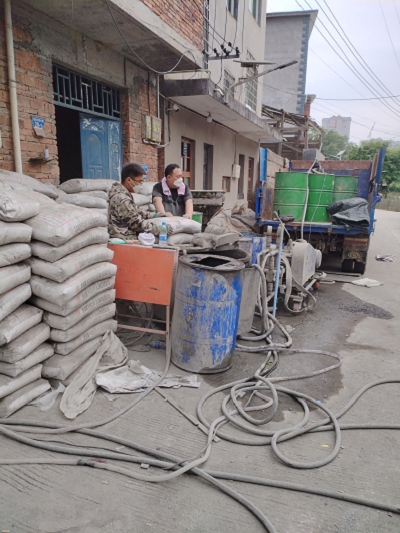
(31, 183)
(11, 300)
(56, 224)
(14, 253)
(180, 238)
(14, 275)
(15, 207)
(22, 319)
(179, 224)
(64, 348)
(77, 301)
(99, 315)
(61, 366)
(14, 232)
(61, 293)
(95, 194)
(22, 397)
(82, 200)
(9, 385)
(71, 264)
(25, 343)
(223, 222)
(84, 185)
(64, 323)
(55, 253)
(42, 352)
(79, 394)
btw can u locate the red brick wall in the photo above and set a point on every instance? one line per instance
(184, 16)
(35, 97)
(333, 165)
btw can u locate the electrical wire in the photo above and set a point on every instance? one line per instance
(390, 37)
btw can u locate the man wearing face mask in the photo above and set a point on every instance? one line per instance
(171, 196)
(125, 219)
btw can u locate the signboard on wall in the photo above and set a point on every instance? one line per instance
(146, 168)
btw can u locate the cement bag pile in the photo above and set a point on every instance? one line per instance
(143, 196)
(183, 230)
(23, 335)
(89, 193)
(13, 180)
(72, 283)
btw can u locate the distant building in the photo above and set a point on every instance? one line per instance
(339, 124)
(287, 36)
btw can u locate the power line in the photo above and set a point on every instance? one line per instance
(390, 37)
(397, 13)
(356, 99)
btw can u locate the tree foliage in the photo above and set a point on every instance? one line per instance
(333, 143)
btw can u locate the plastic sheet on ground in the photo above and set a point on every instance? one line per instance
(135, 377)
(367, 282)
(386, 258)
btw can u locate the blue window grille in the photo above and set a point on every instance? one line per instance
(80, 92)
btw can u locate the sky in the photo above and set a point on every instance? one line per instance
(364, 24)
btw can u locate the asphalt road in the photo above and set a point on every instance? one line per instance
(360, 324)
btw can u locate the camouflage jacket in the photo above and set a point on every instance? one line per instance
(125, 219)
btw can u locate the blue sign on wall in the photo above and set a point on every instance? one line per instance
(37, 122)
(146, 167)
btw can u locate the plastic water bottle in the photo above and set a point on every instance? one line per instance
(159, 345)
(162, 238)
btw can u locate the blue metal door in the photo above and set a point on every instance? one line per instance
(101, 147)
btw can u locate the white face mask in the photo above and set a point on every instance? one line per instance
(178, 182)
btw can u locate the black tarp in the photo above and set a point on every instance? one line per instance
(350, 212)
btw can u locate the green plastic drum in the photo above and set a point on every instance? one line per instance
(345, 187)
(319, 197)
(290, 193)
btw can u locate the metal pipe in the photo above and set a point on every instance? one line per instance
(12, 87)
(278, 269)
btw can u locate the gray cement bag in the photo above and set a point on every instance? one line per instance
(61, 366)
(15, 207)
(11, 300)
(55, 253)
(64, 348)
(22, 319)
(42, 352)
(14, 275)
(83, 200)
(179, 224)
(71, 264)
(96, 194)
(78, 301)
(145, 188)
(24, 344)
(14, 232)
(14, 253)
(56, 224)
(86, 185)
(141, 199)
(98, 315)
(103, 212)
(9, 385)
(22, 397)
(61, 293)
(31, 183)
(66, 322)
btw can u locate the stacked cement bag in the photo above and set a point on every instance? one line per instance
(92, 194)
(22, 334)
(13, 180)
(183, 229)
(72, 282)
(143, 196)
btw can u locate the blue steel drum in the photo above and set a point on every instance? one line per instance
(206, 313)
(259, 244)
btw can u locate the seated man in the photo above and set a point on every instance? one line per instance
(125, 219)
(171, 195)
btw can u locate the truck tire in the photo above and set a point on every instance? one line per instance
(359, 268)
(347, 265)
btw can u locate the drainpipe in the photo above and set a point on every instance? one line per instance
(12, 87)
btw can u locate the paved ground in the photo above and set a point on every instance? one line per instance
(360, 324)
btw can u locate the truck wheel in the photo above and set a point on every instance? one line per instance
(359, 268)
(347, 265)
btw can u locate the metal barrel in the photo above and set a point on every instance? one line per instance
(290, 193)
(345, 187)
(319, 197)
(206, 313)
(259, 243)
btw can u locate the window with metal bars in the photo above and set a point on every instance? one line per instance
(80, 92)
(250, 97)
(229, 80)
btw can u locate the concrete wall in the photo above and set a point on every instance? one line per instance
(287, 40)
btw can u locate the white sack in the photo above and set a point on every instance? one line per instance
(78, 396)
(25, 343)
(96, 194)
(54, 253)
(22, 397)
(56, 224)
(140, 199)
(180, 238)
(179, 224)
(145, 188)
(64, 348)
(64, 323)
(14, 232)
(14, 253)
(71, 264)
(42, 199)
(9, 385)
(77, 301)
(61, 293)
(152, 208)
(12, 276)
(61, 366)
(11, 300)
(42, 352)
(82, 200)
(82, 185)
(145, 208)
(14, 208)
(31, 183)
(103, 212)
(22, 319)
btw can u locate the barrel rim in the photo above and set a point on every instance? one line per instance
(233, 265)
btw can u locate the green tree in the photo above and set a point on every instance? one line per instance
(333, 143)
(366, 150)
